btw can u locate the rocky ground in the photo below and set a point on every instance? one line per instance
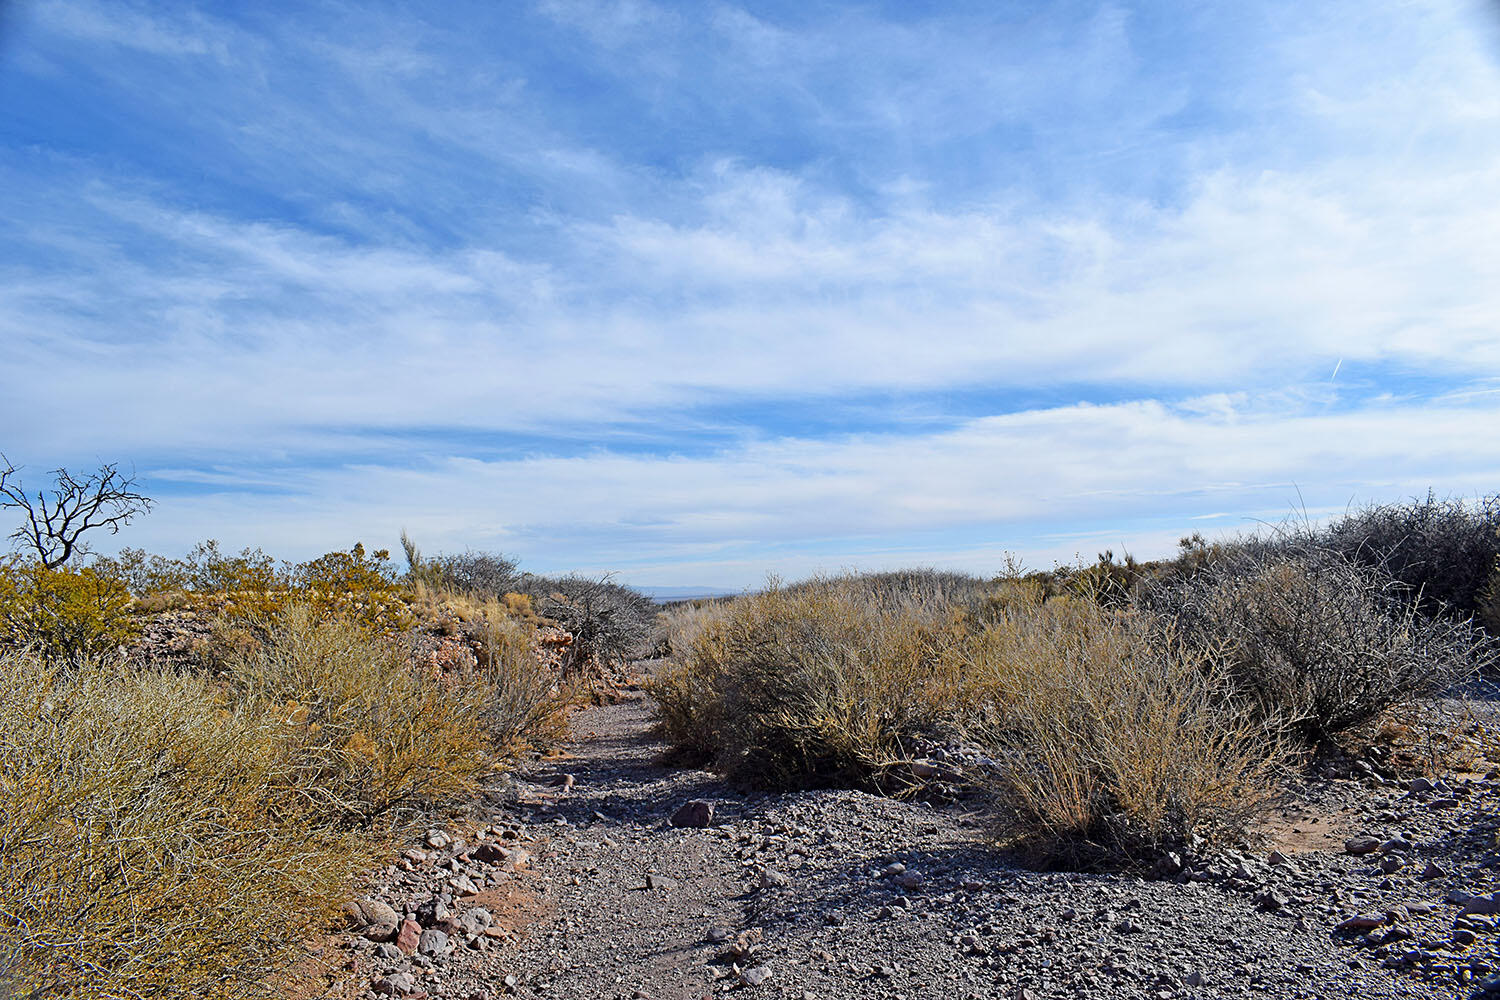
(573, 881)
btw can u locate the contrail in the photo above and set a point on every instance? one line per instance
(1336, 370)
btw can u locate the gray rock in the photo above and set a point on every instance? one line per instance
(398, 984)
(660, 882)
(474, 921)
(770, 878)
(755, 976)
(1361, 845)
(432, 911)
(433, 942)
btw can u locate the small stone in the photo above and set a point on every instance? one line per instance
(1390, 864)
(1361, 922)
(398, 984)
(698, 813)
(408, 936)
(892, 870)
(491, 854)
(1361, 845)
(755, 976)
(770, 878)
(1193, 978)
(1464, 938)
(1276, 858)
(431, 911)
(718, 935)
(910, 881)
(660, 882)
(1432, 871)
(432, 942)
(474, 921)
(388, 951)
(1487, 905)
(437, 839)
(1447, 802)
(380, 920)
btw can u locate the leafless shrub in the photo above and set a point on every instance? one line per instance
(1444, 549)
(609, 622)
(1313, 636)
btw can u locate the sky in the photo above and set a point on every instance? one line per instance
(698, 292)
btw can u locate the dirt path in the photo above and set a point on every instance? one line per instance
(843, 894)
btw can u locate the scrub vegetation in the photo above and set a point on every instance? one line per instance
(1121, 709)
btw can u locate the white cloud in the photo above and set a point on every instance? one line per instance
(497, 265)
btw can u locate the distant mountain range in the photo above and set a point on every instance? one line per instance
(664, 594)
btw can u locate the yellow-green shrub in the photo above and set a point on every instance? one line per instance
(163, 834)
(143, 850)
(63, 613)
(354, 584)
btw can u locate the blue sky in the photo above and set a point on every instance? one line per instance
(698, 292)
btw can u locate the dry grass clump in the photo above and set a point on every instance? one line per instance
(815, 684)
(166, 834)
(1104, 742)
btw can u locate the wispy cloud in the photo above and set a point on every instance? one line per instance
(701, 290)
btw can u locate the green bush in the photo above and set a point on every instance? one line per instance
(63, 614)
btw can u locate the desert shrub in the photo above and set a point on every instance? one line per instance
(1489, 607)
(1446, 548)
(63, 614)
(609, 622)
(165, 834)
(1313, 636)
(525, 706)
(353, 584)
(138, 856)
(372, 734)
(469, 574)
(821, 683)
(480, 573)
(1104, 742)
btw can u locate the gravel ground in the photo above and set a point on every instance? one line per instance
(591, 892)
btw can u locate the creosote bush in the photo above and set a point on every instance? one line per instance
(63, 614)
(167, 834)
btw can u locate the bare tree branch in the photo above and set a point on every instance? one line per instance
(56, 519)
